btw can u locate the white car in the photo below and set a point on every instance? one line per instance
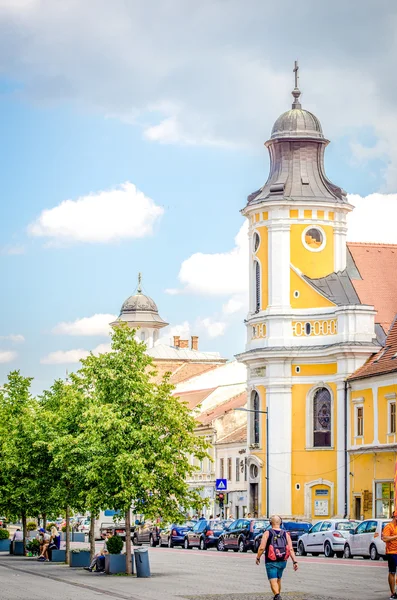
(326, 537)
(366, 540)
(84, 526)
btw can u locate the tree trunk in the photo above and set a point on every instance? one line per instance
(128, 541)
(92, 534)
(67, 533)
(24, 531)
(44, 520)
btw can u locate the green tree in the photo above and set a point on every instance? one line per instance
(140, 436)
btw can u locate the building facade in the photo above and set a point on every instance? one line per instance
(307, 328)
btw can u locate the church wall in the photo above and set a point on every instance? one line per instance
(313, 264)
(308, 296)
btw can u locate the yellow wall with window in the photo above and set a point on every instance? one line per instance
(368, 406)
(384, 413)
(309, 465)
(262, 254)
(366, 470)
(308, 296)
(312, 264)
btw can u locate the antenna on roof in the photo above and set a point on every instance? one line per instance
(296, 91)
(139, 290)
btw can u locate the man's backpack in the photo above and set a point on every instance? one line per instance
(277, 545)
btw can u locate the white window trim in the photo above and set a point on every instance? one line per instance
(309, 418)
(356, 407)
(389, 403)
(324, 243)
(254, 252)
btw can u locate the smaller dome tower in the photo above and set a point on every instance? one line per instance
(140, 312)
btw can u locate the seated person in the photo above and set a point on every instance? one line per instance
(17, 537)
(44, 539)
(98, 562)
(55, 537)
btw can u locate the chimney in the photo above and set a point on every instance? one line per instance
(176, 341)
(183, 343)
(194, 342)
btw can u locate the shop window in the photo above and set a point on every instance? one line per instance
(322, 418)
(384, 506)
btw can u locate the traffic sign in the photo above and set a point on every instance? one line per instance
(221, 485)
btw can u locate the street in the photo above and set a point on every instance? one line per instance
(196, 575)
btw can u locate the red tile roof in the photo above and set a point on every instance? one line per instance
(384, 361)
(377, 265)
(238, 435)
(236, 402)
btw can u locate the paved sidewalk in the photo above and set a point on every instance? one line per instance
(195, 575)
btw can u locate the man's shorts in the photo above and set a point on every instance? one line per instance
(392, 561)
(275, 569)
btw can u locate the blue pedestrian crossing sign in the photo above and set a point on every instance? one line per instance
(221, 485)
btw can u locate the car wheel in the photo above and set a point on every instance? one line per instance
(186, 544)
(202, 545)
(241, 546)
(301, 549)
(221, 546)
(169, 543)
(347, 553)
(329, 553)
(135, 541)
(151, 542)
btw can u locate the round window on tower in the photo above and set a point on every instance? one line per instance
(254, 471)
(257, 241)
(313, 238)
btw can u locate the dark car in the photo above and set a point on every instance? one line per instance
(294, 528)
(204, 534)
(146, 532)
(174, 535)
(241, 535)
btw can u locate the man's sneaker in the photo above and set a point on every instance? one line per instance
(41, 558)
(88, 569)
(393, 596)
(277, 597)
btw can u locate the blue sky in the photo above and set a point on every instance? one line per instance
(196, 158)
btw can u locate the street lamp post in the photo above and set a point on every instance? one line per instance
(263, 412)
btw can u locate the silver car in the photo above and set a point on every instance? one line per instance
(326, 537)
(366, 540)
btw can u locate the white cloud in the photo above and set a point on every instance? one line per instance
(107, 216)
(10, 250)
(221, 273)
(7, 356)
(212, 328)
(96, 325)
(232, 306)
(373, 219)
(69, 357)
(17, 338)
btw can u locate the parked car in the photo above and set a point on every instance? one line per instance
(295, 528)
(326, 537)
(174, 535)
(3, 522)
(366, 540)
(146, 532)
(204, 534)
(84, 525)
(240, 536)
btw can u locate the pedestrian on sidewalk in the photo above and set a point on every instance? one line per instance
(276, 544)
(389, 536)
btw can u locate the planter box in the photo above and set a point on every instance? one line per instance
(5, 545)
(79, 559)
(58, 556)
(115, 563)
(18, 549)
(78, 537)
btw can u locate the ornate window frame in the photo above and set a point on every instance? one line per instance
(309, 417)
(321, 230)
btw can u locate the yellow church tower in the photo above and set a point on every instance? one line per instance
(306, 329)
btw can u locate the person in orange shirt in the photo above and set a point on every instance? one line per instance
(389, 536)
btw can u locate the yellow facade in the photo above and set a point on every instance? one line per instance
(312, 264)
(310, 465)
(299, 370)
(262, 255)
(306, 296)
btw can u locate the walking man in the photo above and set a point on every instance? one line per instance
(389, 536)
(276, 544)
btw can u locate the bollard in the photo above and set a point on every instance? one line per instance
(142, 562)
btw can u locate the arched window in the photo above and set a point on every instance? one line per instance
(255, 418)
(322, 418)
(257, 287)
(143, 336)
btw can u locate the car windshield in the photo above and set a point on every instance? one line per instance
(297, 526)
(217, 526)
(346, 526)
(188, 524)
(261, 524)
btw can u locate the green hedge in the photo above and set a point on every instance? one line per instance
(4, 534)
(114, 544)
(31, 526)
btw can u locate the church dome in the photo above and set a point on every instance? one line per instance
(139, 303)
(297, 123)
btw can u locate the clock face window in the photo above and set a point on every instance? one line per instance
(313, 239)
